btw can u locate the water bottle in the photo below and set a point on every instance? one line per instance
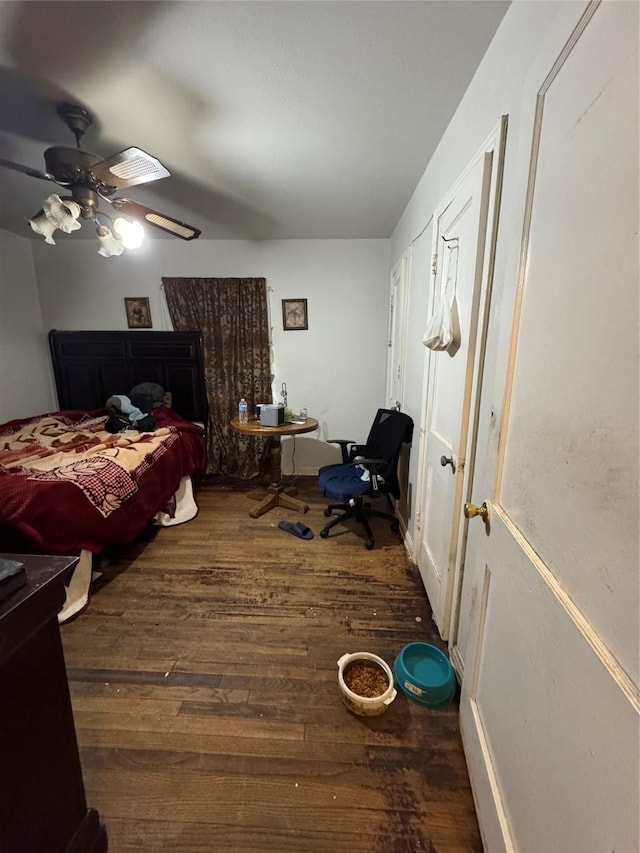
(243, 416)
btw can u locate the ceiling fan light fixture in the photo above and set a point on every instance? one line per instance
(63, 214)
(40, 224)
(89, 179)
(55, 214)
(110, 245)
(131, 233)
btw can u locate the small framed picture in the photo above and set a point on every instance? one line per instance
(294, 314)
(138, 312)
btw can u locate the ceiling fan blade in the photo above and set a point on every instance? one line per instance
(27, 170)
(128, 168)
(158, 220)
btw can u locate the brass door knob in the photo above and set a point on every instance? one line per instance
(471, 510)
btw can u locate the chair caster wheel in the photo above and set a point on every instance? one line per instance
(327, 512)
(324, 533)
(368, 545)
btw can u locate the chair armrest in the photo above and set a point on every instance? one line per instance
(372, 466)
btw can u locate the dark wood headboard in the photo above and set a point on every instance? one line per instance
(89, 367)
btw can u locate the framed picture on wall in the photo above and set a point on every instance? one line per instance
(294, 314)
(138, 312)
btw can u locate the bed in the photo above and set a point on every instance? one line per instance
(69, 486)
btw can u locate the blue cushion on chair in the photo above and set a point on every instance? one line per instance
(342, 482)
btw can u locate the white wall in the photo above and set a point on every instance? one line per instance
(336, 369)
(495, 90)
(26, 386)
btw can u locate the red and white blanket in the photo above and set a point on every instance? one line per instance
(67, 484)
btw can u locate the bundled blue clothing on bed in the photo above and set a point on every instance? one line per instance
(126, 413)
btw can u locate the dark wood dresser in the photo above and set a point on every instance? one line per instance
(42, 798)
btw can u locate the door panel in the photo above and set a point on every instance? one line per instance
(549, 606)
(460, 229)
(559, 730)
(572, 368)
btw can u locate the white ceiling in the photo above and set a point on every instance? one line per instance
(296, 119)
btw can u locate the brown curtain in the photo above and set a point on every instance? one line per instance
(232, 315)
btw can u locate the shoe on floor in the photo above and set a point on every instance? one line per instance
(297, 528)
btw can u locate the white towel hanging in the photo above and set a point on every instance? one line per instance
(443, 327)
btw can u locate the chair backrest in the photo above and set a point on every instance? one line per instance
(389, 431)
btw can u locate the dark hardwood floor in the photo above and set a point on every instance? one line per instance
(204, 685)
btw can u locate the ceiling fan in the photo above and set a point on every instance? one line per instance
(90, 179)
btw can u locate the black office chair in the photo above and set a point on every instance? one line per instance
(367, 471)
